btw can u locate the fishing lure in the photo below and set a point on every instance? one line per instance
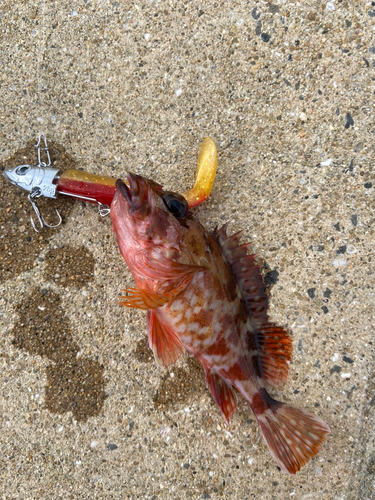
(202, 293)
(44, 180)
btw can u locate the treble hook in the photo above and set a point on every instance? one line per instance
(32, 199)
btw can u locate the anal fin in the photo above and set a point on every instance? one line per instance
(165, 344)
(222, 393)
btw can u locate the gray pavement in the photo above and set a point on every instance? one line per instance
(286, 90)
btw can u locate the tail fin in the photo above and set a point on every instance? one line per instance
(293, 436)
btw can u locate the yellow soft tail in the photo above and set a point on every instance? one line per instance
(206, 171)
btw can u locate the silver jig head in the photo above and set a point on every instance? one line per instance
(41, 180)
(38, 180)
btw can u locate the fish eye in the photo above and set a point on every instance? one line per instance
(176, 204)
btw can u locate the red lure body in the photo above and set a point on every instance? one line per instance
(95, 188)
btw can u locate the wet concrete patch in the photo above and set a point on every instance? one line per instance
(20, 245)
(74, 383)
(142, 352)
(180, 385)
(69, 266)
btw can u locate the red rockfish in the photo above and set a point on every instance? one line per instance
(204, 293)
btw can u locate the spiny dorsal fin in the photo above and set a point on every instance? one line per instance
(274, 345)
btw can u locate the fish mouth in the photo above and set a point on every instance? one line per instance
(137, 194)
(124, 190)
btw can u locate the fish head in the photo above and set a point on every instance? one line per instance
(151, 222)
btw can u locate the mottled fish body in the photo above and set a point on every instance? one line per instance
(205, 293)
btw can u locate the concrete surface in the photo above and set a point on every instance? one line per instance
(286, 90)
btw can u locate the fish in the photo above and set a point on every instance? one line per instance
(204, 293)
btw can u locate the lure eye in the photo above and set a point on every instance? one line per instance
(22, 169)
(176, 204)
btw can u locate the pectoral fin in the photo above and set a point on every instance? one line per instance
(166, 345)
(145, 299)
